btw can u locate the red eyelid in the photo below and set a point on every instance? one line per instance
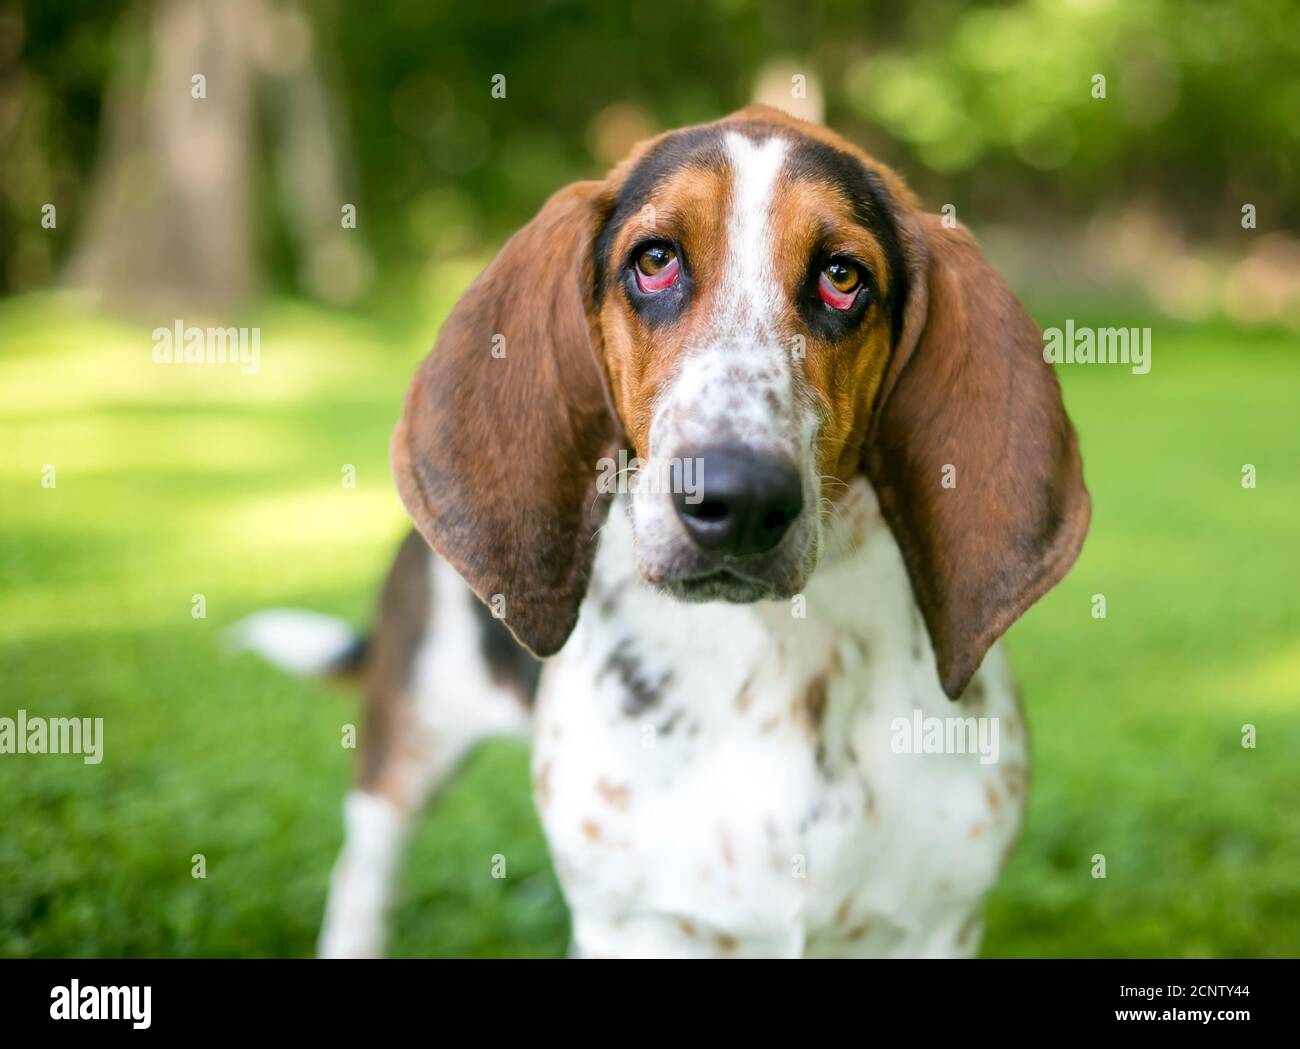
(665, 278)
(833, 297)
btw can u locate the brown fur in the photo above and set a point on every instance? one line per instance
(495, 458)
(404, 611)
(968, 386)
(639, 360)
(844, 379)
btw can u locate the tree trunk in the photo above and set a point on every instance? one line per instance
(170, 220)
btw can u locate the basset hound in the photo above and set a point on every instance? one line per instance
(851, 472)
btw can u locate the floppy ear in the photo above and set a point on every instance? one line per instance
(971, 453)
(496, 452)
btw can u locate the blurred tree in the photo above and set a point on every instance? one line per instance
(169, 209)
(172, 210)
(990, 105)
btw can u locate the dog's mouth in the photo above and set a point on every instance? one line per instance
(723, 584)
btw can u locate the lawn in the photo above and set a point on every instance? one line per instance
(173, 482)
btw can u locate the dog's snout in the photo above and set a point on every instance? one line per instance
(743, 504)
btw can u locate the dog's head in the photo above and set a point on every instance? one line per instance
(758, 312)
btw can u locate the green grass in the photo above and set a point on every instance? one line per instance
(184, 481)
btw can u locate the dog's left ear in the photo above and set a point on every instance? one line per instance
(497, 452)
(971, 453)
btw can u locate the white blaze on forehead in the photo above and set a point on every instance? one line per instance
(750, 295)
(735, 382)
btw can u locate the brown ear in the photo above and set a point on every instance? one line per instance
(497, 450)
(968, 388)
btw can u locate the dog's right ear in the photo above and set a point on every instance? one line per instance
(496, 454)
(969, 396)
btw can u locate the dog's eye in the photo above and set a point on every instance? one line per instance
(839, 283)
(657, 268)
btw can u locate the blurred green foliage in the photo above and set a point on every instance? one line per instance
(988, 105)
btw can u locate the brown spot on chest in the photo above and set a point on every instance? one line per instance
(745, 697)
(810, 707)
(613, 795)
(1013, 778)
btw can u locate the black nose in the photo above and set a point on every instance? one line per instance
(742, 503)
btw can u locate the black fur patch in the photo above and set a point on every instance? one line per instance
(640, 692)
(508, 661)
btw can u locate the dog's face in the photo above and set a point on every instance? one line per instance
(757, 312)
(746, 284)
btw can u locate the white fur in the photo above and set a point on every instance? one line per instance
(457, 701)
(361, 885)
(750, 295)
(717, 811)
(297, 641)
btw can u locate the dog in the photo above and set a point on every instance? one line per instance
(884, 480)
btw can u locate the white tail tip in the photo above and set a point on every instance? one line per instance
(306, 643)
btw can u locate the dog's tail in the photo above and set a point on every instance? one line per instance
(304, 643)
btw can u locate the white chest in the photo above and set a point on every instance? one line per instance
(739, 780)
